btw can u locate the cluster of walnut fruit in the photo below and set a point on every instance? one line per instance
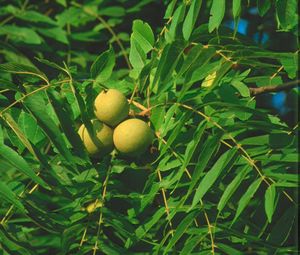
(113, 129)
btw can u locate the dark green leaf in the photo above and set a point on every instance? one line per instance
(49, 63)
(286, 14)
(16, 247)
(102, 67)
(167, 63)
(36, 104)
(180, 229)
(270, 196)
(20, 69)
(228, 249)
(223, 163)
(263, 6)
(281, 229)
(232, 187)
(142, 230)
(30, 128)
(1, 135)
(190, 244)
(245, 199)
(69, 236)
(19, 163)
(190, 149)
(7, 194)
(67, 124)
(5, 84)
(209, 147)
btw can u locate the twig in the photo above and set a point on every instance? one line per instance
(270, 89)
(3, 22)
(244, 153)
(166, 203)
(276, 73)
(209, 226)
(9, 213)
(100, 221)
(138, 105)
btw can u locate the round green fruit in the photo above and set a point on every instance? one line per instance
(132, 137)
(100, 142)
(111, 107)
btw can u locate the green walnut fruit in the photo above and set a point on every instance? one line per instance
(111, 107)
(100, 142)
(132, 137)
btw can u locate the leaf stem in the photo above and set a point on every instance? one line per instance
(3, 22)
(22, 98)
(100, 221)
(166, 203)
(245, 154)
(201, 201)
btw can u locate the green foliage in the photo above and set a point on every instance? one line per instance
(220, 177)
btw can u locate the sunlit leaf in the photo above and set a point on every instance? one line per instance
(181, 228)
(270, 196)
(233, 186)
(112, 11)
(217, 12)
(191, 18)
(141, 40)
(21, 34)
(245, 199)
(224, 162)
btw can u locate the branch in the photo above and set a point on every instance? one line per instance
(269, 89)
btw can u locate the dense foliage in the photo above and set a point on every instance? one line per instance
(221, 175)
